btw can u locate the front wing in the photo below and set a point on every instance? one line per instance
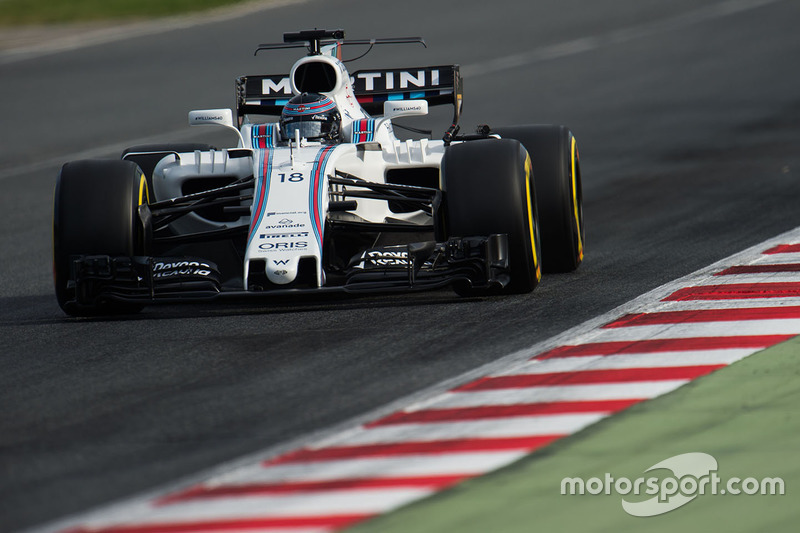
(478, 262)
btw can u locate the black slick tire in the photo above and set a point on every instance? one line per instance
(556, 172)
(488, 189)
(95, 212)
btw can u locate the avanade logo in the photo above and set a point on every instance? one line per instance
(692, 474)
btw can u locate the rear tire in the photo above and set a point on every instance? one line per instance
(96, 212)
(489, 189)
(556, 171)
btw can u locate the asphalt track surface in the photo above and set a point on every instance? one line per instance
(687, 115)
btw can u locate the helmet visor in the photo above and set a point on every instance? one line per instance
(310, 129)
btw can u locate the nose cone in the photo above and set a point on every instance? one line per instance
(282, 270)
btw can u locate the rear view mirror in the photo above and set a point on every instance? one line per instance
(214, 117)
(405, 108)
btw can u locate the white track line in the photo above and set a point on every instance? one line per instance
(466, 464)
(246, 507)
(605, 391)
(108, 150)
(621, 36)
(523, 426)
(633, 360)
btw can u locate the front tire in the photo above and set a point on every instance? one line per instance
(489, 189)
(556, 171)
(96, 212)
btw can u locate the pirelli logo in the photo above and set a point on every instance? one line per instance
(283, 235)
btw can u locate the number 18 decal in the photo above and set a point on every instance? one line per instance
(294, 177)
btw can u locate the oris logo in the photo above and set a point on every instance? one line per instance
(283, 246)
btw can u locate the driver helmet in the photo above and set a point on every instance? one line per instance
(314, 115)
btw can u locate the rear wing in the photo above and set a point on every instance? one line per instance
(439, 85)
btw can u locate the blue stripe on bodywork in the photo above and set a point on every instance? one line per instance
(315, 192)
(363, 130)
(263, 132)
(264, 159)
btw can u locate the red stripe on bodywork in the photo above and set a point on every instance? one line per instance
(664, 345)
(416, 448)
(363, 125)
(291, 487)
(585, 377)
(504, 411)
(736, 291)
(260, 135)
(315, 188)
(320, 168)
(256, 214)
(248, 524)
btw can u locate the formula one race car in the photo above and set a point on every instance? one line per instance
(326, 199)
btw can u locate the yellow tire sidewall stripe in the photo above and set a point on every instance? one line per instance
(573, 160)
(144, 192)
(531, 226)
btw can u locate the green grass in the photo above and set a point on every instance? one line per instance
(18, 12)
(746, 416)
